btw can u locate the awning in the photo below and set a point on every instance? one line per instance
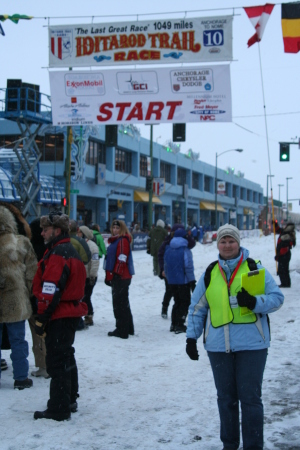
(248, 211)
(211, 206)
(144, 197)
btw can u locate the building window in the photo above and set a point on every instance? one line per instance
(165, 171)
(123, 161)
(234, 191)
(243, 196)
(96, 153)
(195, 180)
(181, 176)
(143, 166)
(206, 183)
(248, 195)
(51, 146)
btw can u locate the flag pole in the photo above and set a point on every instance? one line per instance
(268, 147)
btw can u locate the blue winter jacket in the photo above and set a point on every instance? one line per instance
(234, 337)
(178, 262)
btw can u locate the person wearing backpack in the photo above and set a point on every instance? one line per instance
(236, 336)
(98, 239)
(285, 242)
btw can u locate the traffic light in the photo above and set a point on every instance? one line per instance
(72, 168)
(111, 135)
(64, 202)
(178, 132)
(284, 152)
(149, 183)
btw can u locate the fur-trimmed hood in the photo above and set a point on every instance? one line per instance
(23, 227)
(17, 268)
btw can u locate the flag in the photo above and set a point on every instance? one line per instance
(290, 24)
(1, 30)
(258, 16)
(15, 17)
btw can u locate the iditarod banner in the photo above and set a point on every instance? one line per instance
(193, 40)
(162, 95)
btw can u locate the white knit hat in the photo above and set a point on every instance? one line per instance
(228, 230)
(160, 223)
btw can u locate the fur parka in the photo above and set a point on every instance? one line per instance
(18, 266)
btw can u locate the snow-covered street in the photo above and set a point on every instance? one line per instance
(144, 393)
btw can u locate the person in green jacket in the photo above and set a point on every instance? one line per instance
(99, 240)
(156, 238)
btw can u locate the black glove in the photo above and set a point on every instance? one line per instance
(40, 329)
(191, 349)
(245, 299)
(107, 282)
(148, 251)
(160, 275)
(92, 281)
(193, 285)
(276, 258)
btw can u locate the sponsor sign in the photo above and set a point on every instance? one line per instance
(221, 187)
(162, 95)
(201, 39)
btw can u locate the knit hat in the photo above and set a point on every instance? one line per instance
(228, 230)
(86, 232)
(180, 232)
(160, 223)
(56, 220)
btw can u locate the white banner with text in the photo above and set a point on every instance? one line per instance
(163, 95)
(202, 39)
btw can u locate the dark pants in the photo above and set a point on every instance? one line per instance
(61, 363)
(182, 300)
(238, 377)
(283, 269)
(88, 290)
(121, 306)
(167, 297)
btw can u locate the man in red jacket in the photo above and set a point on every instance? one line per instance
(59, 288)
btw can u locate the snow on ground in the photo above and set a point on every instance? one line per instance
(144, 393)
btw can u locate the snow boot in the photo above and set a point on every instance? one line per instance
(23, 384)
(180, 329)
(40, 373)
(116, 334)
(4, 365)
(58, 416)
(88, 321)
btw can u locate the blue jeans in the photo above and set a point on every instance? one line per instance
(238, 378)
(19, 349)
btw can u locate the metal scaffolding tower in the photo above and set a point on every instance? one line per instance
(22, 103)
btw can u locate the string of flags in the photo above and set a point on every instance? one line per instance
(14, 18)
(290, 24)
(258, 15)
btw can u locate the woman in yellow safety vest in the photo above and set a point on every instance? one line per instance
(234, 321)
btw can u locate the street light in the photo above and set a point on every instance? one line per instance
(267, 200)
(287, 197)
(216, 183)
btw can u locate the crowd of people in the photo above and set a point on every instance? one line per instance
(47, 274)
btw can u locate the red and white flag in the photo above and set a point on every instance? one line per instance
(259, 16)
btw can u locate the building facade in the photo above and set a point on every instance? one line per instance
(108, 182)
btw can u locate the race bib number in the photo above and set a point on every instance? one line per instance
(49, 288)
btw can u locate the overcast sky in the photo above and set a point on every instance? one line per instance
(24, 54)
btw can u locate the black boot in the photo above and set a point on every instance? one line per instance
(116, 333)
(23, 384)
(58, 416)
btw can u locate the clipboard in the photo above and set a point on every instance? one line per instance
(254, 283)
